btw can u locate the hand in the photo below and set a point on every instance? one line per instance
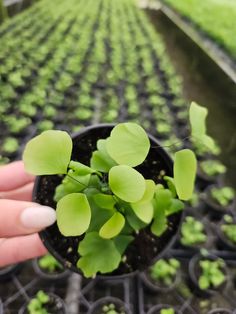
(20, 219)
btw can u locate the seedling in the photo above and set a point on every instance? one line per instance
(49, 264)
(192, 232)
(229, 228)
(212, 167)
(38, 303)
(10, 145)
(223, 196)
(211, 273)
(167, 311)
(164, 271)
(110, 199)
(111, 309)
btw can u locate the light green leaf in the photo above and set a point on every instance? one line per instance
(176, 206)
(144, 211)
(128, 144)
(171, 185)
(104, 201)
(80, 168)
(127, 183)
(101, 161)
(71, 184)
(149, 191)
(94, 252)
(197, 116)
(73, 214)
(185, 168)
(48, 153)
(162, 200)
(113, 226)
(159, 224)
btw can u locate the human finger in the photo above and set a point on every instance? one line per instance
(14, 250)
(21, 218)
(13, 176)
(23, 193)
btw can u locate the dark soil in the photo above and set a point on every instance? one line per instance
(146, 247)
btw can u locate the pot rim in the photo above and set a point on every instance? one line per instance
(73, 268)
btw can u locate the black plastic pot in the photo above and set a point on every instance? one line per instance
(6, 273)
(55, 276)
(194, 248)
(214, 209)
(220, 311)
(97, 306)
(55, 306)
(157, 309)
(223, 242)
(155, 286)
(194, 273)
(203, 180)
(145, 248)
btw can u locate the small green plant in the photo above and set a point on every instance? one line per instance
(10, 145)
(192, 232)
(223, 196)
(109, 198)
(164, 271)
(111, 309)
(167, 311)
(212, 167)
(229, 228)
(49, 263)
(37, 304)
(212, 274)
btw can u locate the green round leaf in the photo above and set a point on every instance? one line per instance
(73, 214)
(127, 183)
(113, 226)
(128, 144)
(144, 211)
(185, 168)
(48, 153)
(97, 255)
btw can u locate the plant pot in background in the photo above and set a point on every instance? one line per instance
(59, 275)
(220, 311)
(55, 306)
(195, 247)
(146, 247)
(6, 273)
(224, 243)
(212, 207)
(157, 286)
(157, 309)
(194, 274)
(100, 303)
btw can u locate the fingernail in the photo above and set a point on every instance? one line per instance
(38, 217)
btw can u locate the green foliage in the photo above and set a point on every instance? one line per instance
(107, 202)
(10, 145)
(111, 309)
(216, 18)
(212, 275)
(38, 303)
(49, 264)
(192, 232)
(202, 142)
(229, 228)
(54, 158)
(164, 271)
(167, 311)
(185, 167)
(212, 167)
(223, 196)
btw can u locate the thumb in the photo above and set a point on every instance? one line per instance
(22, 218)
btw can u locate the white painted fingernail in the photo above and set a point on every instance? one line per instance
(38, 217)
